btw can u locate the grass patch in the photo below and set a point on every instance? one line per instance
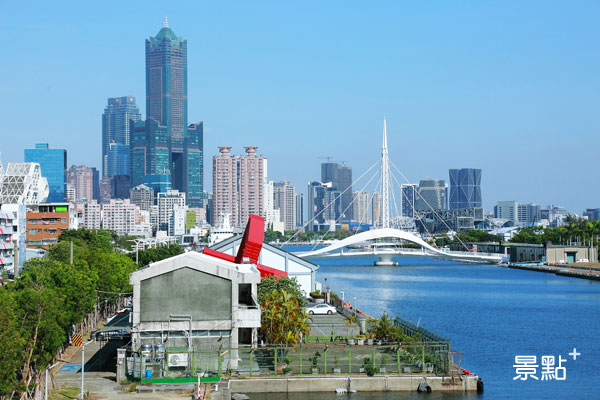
(66, 393)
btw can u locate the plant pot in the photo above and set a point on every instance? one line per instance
(382, 370)
(379, 342)
(336, 370)
(350, 342)
(429, 368)
(406, 370)
(360, 342)
(370, 342)
(314, 371)
(361, 370)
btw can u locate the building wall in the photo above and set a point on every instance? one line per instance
(194, 288)
(45, 227)
(559, 254)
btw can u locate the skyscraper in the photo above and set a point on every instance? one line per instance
(168, 143)
(340, 177)
(432, 195)
(360, 204)
(119, 116)
(118, 159)
(225, 188)
(465, 188)
(409, 198)
(82, 179)
(251, 183)
(238, 185)
(284, 199)
(53, 164)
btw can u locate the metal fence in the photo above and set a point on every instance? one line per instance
(324, 359)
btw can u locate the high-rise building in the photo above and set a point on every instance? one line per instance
(238, 185)
(251, 184)
(284, 200)
(592, 214)
(166, 202)
(409, 192)
(118, 159)
(360, 205)
(53, 164)
(92, 215)
(118, 119)
(119, 216)
(194, 165)
(119, 187)
(299, 210)
(465, 188)
(225, 186)
(432, 195)
(142, 196)
(376, 209)
(340, 177)
(324, 206)
(82, 180)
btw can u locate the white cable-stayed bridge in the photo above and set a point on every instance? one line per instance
(387, 240)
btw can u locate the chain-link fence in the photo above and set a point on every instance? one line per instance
(323, 359)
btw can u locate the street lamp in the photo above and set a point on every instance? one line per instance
(354, 306)
(83, 365)
(46, 381)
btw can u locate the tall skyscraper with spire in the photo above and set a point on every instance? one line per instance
(165, 142)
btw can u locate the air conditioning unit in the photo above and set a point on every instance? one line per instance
(177, 360)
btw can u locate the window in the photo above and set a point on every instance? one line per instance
(63, 220)
(32, 231)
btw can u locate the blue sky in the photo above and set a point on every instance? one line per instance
(512, 87)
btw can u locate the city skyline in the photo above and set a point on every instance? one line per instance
(523, 97)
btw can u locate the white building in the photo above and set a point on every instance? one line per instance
(166, 202)
(23, 183)
(7, 257)
(360, 207)
(177, 220)
(195, 301)
(119, 216)
(284, 199)
(304, 271)
(92, 215)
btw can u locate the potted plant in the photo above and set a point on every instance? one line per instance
(336, 369)
(314, 360)
(370, 337)
(384, 360)
(350, 321)
(360, 339)
(317, 297)
(368, 367)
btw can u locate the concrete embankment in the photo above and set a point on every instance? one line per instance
(463, 383)
(581, 273)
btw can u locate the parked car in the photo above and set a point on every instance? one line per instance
(321, 309)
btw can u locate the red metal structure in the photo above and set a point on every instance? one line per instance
(250, 248)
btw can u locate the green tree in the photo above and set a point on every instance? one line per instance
(11, 344)
(283, 283)
(283, 321)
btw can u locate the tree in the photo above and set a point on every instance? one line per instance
(283, 321)
(11, 343)
(283, 283)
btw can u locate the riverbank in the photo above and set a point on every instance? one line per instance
(581, 272)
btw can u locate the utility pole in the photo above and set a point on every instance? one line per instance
(83, 367)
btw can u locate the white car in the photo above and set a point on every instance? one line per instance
(321, 309)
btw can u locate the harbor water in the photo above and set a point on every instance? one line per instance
(491, 314)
